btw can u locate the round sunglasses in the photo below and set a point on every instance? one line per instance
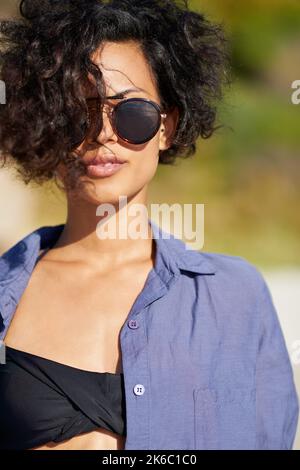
(134, 120)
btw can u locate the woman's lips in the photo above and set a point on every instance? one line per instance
(101, 170)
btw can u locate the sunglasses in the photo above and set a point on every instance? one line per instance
(134, 120)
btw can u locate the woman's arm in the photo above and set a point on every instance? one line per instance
(276, 398)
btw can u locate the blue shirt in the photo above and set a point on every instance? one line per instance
(204, 359)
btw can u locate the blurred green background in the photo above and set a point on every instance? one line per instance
(247, 175)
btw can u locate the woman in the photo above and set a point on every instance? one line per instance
(126, 342)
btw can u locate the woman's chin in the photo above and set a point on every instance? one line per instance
(92, 193)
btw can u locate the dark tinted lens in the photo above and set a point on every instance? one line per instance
(136, 121)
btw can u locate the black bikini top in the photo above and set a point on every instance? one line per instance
(42, 400)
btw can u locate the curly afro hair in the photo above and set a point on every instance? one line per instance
(45, 58)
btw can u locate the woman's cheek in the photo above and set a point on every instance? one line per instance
(146, 167)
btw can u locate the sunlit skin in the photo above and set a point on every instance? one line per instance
(92, 282)
(123, 66)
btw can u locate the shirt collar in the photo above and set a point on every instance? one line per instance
(172, 254)
(179, 254)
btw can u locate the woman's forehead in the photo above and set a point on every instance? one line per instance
(124, 67)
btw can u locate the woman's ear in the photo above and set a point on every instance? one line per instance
(168, 128)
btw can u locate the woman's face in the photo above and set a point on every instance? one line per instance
(123, 66)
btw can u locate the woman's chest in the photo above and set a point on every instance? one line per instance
(75, 323)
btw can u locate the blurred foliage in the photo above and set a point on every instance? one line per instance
(248, 174)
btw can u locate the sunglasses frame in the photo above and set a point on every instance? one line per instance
(112, 115)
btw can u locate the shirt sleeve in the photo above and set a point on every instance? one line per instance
(277, 405)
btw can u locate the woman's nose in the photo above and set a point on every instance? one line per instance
(106, 132)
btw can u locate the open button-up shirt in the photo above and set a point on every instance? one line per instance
(204, 358)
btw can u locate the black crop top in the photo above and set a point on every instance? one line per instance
(43, 400)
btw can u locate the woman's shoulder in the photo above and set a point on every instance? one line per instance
(235, 287)
(233, 282)
(235, 276)
(227, 270)
(25, 251)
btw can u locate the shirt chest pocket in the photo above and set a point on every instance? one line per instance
(224, 418)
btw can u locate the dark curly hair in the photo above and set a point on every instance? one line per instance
(45, 58)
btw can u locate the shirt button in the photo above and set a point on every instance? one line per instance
(139, 389)
(133, 324)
